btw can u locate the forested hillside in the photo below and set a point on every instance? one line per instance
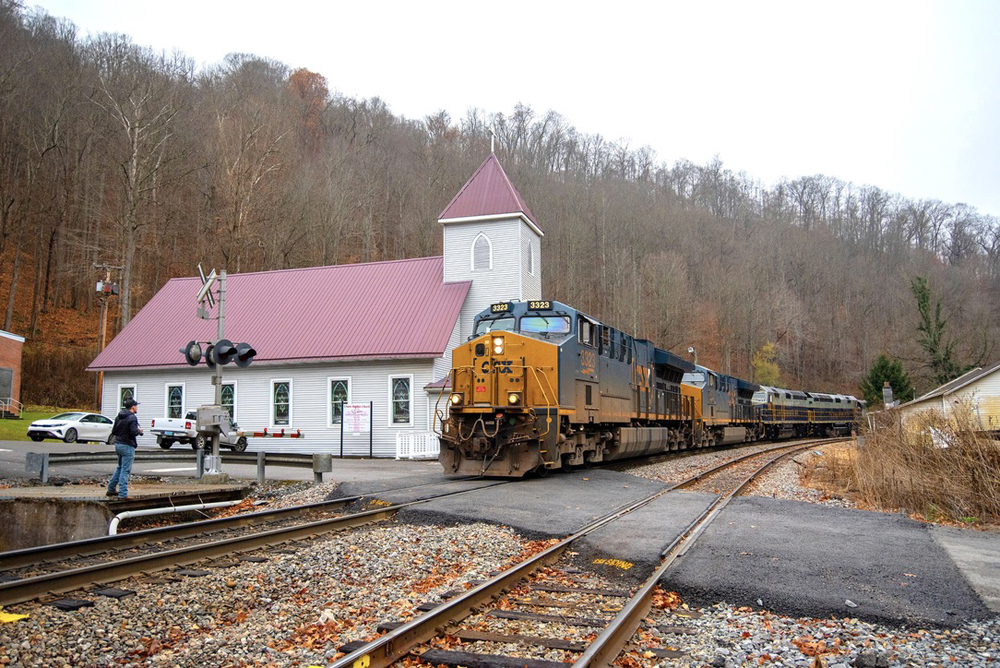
(113, 154)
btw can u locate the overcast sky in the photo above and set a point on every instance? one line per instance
(902, 95)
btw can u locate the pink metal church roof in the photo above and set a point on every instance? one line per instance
(489, 192)
(389, 310)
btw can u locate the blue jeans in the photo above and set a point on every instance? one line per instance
(126, 455)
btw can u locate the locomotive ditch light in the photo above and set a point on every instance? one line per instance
(498, 345)
(514, 398)
(456, 398)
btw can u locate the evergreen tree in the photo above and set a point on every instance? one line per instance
(886, 370)
(940, 352)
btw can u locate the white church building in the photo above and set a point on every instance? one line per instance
(377, 334)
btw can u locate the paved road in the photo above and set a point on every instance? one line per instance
(786, 556)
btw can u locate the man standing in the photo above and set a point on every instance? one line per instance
(125, 430)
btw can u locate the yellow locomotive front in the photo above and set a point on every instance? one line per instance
(502, 413)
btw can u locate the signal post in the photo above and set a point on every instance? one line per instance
(217, 354)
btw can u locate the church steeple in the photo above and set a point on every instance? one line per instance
(489, 192)
(491, 239)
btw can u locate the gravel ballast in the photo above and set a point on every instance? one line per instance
(298, 608)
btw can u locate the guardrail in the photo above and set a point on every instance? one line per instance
(39, 463)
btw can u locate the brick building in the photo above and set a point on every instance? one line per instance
(11, 346)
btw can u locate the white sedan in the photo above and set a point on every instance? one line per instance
(70, 427)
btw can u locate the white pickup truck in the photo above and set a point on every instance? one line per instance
(185, 430)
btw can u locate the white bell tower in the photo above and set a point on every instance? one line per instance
(491, 239)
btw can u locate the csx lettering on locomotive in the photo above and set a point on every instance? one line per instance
(501, 366)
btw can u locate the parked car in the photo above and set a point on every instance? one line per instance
(185, 430)
(71, 427)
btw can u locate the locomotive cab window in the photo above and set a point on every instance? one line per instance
(586, 331)
(502, 324)
(546, 324)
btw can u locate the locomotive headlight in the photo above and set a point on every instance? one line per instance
(498, 345)
(456, 398)
(514, 398)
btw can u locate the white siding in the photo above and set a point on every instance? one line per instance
(442, 365)
(531, 281)
(309, 412)
(983, 396)
(502, 283)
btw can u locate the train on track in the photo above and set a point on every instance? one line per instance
(542, 386)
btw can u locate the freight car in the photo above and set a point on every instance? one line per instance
(541, 386)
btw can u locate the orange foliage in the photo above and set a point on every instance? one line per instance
(665, 600)
(312, 90)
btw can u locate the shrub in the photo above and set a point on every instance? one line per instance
(937, 466)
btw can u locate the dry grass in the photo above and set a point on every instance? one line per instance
(936, 468)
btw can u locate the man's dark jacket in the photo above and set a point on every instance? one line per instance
(126, 428)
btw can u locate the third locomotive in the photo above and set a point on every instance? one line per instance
(542, 386)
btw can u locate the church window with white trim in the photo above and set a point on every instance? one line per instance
(482, 253)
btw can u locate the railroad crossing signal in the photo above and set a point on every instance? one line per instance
(244, 354)
(219, 352)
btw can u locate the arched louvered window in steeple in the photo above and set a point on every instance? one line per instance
(482, 253)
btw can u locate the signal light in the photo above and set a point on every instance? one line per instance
(192, 353)
(244, 354)
(456, 398)
(224, 351)
(514, 398)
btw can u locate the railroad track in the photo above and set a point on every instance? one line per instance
(52, 569)
(611, 617)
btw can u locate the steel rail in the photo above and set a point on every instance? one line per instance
(90, 546)
(395, 644)
(609, 643)
(26, 589)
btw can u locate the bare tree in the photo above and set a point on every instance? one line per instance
(137, 90)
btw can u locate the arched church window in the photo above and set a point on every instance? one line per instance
(482, 253)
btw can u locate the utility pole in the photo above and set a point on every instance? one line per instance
(105, 289)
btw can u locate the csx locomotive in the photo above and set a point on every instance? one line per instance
(541, 386)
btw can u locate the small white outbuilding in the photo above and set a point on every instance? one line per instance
(978, 389)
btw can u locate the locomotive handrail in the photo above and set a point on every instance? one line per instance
(548, 402)
(438, 415)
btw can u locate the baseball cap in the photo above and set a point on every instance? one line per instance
(129, 403)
